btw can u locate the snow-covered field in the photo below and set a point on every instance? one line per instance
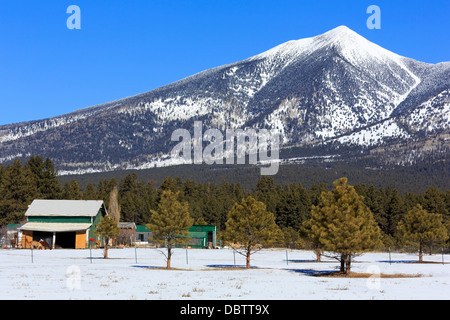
(210, 274)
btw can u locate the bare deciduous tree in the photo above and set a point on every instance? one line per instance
(114, 207)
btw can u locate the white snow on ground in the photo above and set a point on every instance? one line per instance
(69, 274)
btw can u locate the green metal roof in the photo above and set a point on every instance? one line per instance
(200, 228)
(194, 228)
(13, 226)
(141, 228)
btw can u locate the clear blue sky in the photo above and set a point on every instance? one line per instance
(129, 47)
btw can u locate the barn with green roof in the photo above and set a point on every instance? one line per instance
(62, 223)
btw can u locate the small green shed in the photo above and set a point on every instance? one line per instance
(201, 236)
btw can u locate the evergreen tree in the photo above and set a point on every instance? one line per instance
(434, 200)
(447, 202)
(49, 186)
(35, 164)
(107, 228)
(46, 177)
(72, 191)
(266, 192)
(131, 199)
(171, 184)
(2, 172)
(312, 237)
(294, 206)
(316, 191)
(90, 193)
(17, 191)
(217, 201)
(213, 211)
(250, 227)
(170, 223)
(104, 189)
(291, 238)
(341, 223)
(128, 197)
(149, 202)
(193, 194)
(394, 210)
(419, 227)
(410, 201)
(375, 200)
(200, 222)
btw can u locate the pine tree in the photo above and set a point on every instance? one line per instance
(107, 228)
(35, 164)
(131, 199)
(291, 238)
(341, 223)
(46, 177)
(170, 223)
(250, 227)
(218, 205)
(419, 227)
(2, 172)
(148, 201)
(375, 200)
(213, 210)
(394, 209)
(169, 183)
(266, 192)
(434, 200)
(294, 206)
(90, 193)
(312, 238)
(192, 194)
(104, 189)
(410, 200)
(50, 187)
(17, 191)
(72, 191)
(315, 192)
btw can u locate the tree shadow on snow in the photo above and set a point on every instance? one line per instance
(149, 267)
(302, 261)
(311, 272)
(226, 266)
(398, 261)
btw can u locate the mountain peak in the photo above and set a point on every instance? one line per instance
(340, 31)
(353, 46)
(342, 38)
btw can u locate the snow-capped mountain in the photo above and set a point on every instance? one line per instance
(336, 89)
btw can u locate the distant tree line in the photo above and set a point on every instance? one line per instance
(416, 178)
(209, 203)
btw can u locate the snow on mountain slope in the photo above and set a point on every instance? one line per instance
(341, 82)
(375, 134)
(251, 84)
(431, 115)
(337, 86)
